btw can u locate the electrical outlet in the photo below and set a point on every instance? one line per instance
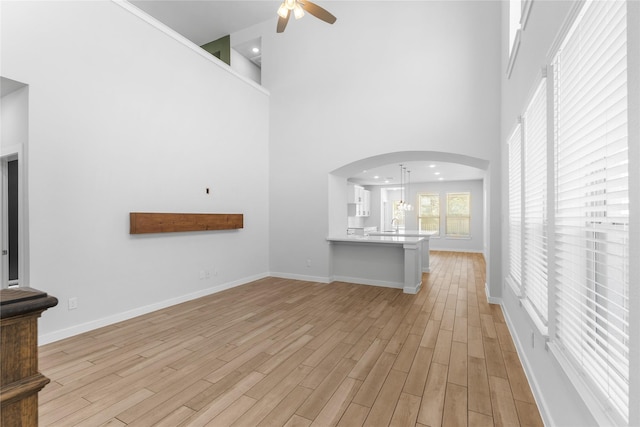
(308, 262)
(73, 303)
(202, 274)
(207, 274)
(215, 272)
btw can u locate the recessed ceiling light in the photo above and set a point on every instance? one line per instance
(376, 177)
(440, 179)
(255, 50)
(386, 181)
(432, 166)
(436, 173)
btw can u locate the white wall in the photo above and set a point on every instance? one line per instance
(386, 77)
(123, 117)
(14, 138)
(14, 118)
(558, 400)
(244, 67)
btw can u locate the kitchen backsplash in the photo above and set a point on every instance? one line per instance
(355, 221)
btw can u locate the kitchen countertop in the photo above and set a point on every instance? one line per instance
(404, 233)
(382, 239)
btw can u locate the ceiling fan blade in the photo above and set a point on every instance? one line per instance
(317, 11)
(282, 22)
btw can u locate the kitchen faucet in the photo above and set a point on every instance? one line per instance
(396, 221)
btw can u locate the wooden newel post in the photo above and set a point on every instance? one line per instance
(20, 380)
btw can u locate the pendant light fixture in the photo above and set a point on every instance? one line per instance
(403, 205)
(408, 206)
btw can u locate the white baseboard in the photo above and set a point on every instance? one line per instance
(490, 299)
(412, 289)
(126, 315)
(528, 371)
(301, 277)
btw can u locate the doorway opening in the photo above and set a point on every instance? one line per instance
(13, 179)
(10, 222)
(384, 166)
(354, 172)
(12, 217)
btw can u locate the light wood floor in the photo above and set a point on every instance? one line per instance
(283, 352)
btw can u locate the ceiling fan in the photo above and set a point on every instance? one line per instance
(299, 7)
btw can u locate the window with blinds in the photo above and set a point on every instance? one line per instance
(458, 221)
(592, 200)
(429, 212)
(515, 209)
(534, 281)
(398, 214)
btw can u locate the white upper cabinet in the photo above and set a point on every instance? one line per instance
(366, 203)
(359, 200)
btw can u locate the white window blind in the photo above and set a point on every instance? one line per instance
(592, 201)
(429, 212)
(398, 213)
(458, 221)
(515, 209)
(534, 281)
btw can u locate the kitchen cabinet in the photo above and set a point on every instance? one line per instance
(358, 200)
(391, 261)
(355, 194)
(366, 203)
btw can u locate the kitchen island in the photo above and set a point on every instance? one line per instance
(411, 233)
(391, 261)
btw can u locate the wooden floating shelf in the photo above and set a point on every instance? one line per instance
(144, 222)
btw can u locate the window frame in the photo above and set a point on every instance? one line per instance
(582, 238)
(515, 210)
(466, 217)
(535, 218)
(598, 329)
(397, 213)
(517, 22)
(432, 196)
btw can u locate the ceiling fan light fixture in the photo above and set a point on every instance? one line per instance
(283, 10)
(299, 7)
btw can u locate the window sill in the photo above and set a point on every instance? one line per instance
(515, 287)
(458, 237)
(540, 326)
(604, 414)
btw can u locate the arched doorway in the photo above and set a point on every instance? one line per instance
(338, 180)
